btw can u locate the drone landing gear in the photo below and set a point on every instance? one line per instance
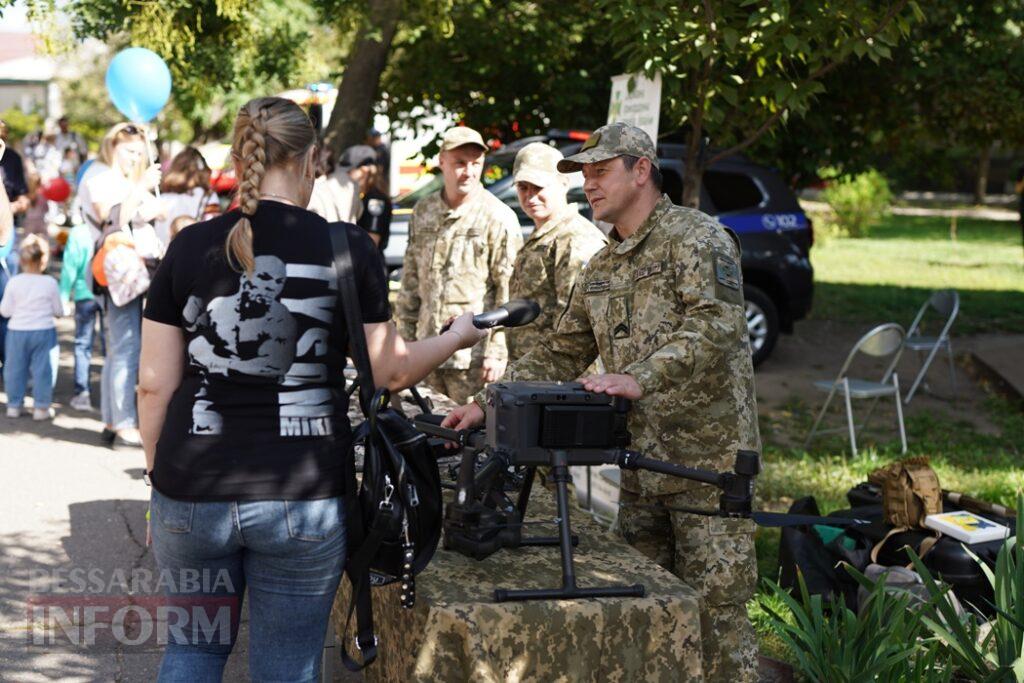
(565, 541)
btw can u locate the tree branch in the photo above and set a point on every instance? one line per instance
(821, 71)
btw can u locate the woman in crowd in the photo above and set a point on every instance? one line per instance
(121, 194)
(184, 191)
(335, 195)
(241, 395)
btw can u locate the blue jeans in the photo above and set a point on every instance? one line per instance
(290, 556)
(32, 353)
(86, 313)
(121, 366)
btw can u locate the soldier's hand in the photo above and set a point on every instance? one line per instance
(468, 416)
(613, 385)
(493, 369)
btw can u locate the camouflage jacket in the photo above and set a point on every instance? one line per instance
(457, 259)
(545, 271)
(665, 306)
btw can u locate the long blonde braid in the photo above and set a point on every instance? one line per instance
(268, 131)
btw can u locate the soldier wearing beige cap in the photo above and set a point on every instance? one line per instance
(662, 306)
(554, 255)
(462, 243)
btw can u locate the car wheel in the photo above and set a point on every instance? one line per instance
(762, 323)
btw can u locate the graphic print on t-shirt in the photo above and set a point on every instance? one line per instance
(255, 332)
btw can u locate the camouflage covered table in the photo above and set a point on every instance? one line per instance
(456, 632)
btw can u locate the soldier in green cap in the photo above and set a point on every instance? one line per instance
(560, 245)
(662, 306)
(462, 243)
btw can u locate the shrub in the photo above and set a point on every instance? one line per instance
(829, 643)
(859, 202)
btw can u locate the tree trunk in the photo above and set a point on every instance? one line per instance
(357, 91)
(692, 168)
(984, 162)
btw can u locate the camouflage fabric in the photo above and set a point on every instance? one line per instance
(458, 385)
(715, 556)
(456, 260)
(456, 632)
(608, 142)
(546, 270)
(665, 306)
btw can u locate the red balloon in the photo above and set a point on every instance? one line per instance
(56, 190)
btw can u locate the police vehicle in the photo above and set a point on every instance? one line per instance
(774, 232)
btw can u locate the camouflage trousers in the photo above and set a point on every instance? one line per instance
(458, 385)
(715, 557)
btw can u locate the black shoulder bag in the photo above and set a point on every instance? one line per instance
(394, 513)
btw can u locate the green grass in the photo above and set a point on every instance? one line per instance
(888, 275)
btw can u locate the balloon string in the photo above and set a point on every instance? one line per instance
(153, 157)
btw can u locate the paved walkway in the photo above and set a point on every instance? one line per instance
(69, 503)
(1001, 357)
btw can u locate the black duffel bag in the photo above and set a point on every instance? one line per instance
(394, 515)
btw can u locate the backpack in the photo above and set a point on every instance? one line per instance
(394, 514)
(910, 492)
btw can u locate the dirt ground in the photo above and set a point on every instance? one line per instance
(817, 350)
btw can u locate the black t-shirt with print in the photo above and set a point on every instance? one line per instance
(261, 412)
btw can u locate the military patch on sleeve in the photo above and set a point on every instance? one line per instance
(595, 286)
(727, 273)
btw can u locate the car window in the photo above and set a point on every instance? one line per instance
(732, 191)
(672, 185)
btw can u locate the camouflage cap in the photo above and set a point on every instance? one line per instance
(459, 136)
(536, 163)
(608, 142)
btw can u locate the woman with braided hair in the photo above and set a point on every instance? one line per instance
(242, 405)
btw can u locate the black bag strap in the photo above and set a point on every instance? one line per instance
(353, 313)
(362, 546)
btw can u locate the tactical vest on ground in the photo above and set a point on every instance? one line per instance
(910, 492)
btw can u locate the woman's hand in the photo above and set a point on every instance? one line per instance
(151, 177)
(469, 335)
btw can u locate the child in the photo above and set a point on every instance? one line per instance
(179, 224)
(31, 300)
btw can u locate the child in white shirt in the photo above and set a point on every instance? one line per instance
(31, 300)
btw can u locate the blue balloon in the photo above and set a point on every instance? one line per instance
(139, 83)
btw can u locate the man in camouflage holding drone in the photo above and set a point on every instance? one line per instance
(662, 306)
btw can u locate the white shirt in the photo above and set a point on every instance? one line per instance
(175, 205)
(31, 301)
(336, 197)
(83, 198)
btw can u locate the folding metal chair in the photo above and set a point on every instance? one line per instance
(947, 304)
(884, 340)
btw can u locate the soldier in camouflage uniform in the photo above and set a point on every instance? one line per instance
(663, 308)
(554, 255)
(462, 243)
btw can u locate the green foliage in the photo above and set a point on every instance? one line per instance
(20, 124)
(510, 67)
(739, 67)
(859, 202)
(831, 644)
(220, 52)
(945, 94)
(997, 652)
